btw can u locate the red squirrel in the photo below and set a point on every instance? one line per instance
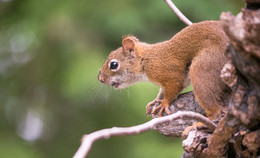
(194, 54)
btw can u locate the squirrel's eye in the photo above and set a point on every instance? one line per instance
(113, 65)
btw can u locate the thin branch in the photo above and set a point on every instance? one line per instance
(178, 12)
(89, 139)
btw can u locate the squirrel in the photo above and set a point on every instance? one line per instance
(195, 54)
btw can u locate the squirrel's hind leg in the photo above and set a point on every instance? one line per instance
(209, 89)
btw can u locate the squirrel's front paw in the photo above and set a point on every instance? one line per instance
(150, 106)
(164, 106)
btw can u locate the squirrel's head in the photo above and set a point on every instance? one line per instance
(123, 66)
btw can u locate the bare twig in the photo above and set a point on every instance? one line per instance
(89, 139)
(178, 12)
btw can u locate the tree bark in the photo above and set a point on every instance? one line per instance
(238, 131)
(185, 102)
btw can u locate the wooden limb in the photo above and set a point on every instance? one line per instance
(178, 12)
(88, 140)
(184, 102)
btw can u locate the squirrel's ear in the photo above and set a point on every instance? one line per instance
(128, 43)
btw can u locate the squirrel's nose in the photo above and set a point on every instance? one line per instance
(100, 78)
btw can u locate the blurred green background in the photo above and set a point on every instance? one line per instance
(50, 55)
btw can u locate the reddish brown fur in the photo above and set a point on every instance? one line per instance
(201, 44)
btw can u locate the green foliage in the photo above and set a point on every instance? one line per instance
(50, 55)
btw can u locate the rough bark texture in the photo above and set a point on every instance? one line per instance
(185, 102)
(238, 131)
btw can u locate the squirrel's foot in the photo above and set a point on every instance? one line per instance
(164, 106)
(195, 126)
(150, 105)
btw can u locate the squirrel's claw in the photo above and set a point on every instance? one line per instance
(162, 107)
(193, 126)
(150, 105)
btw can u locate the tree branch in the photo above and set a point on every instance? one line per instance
(178, 12)
(88, 140)
(240, 124)
(184, 102)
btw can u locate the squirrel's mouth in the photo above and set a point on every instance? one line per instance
(115, 84)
